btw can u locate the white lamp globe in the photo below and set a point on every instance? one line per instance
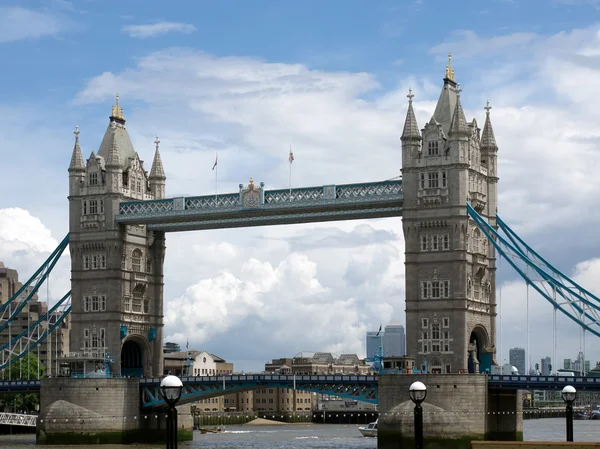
(568, 393)
(417, 392)
(171, 387)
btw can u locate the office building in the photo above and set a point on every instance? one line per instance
(374, 343)
(394, 340)
(170, 347)
(546, 365)
(516, 357)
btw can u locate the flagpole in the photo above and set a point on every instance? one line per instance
(217, 180)
(291, 160)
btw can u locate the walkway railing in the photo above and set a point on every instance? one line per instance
(18, 419)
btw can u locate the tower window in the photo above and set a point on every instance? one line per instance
(103, 261)
(93, 179)
(444, 179)
(425, 289)
(446, 242)
(424, 323)
(423, 243)
(434, 242)
(435, 289)
(136, 260)
(101, 206)
(433, 178)
(422, 184)
(433, 149)
(446, 322)
(86, 262)
(446, 289)
(93, 207)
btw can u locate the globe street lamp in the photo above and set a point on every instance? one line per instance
(568, 394)
(418, 392)
(170, 388)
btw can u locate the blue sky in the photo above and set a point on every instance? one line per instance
(248, 79)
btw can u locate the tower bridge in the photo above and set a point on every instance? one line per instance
(119, 216)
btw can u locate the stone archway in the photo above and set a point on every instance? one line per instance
(436, 366)
(135, 357)
(479, 359)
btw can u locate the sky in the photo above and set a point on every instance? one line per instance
(249, 79)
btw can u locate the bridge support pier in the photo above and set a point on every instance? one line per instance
(101, 411)
(455, 411)
(505, 415)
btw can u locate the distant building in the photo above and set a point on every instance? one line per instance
(579, 365)
(170, 347)
(374, 342)
(394, 340)
(516, 357)
(545, 366)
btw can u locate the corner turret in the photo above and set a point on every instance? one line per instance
(76, 167)
(411, 136)
(157, 175)
(458, 126)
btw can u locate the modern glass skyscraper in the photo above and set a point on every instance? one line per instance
(374, 341)
(394, 340)
(516, 357)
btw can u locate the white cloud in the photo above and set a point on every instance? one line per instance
(17, 23)
(25, 244)
(158, 29)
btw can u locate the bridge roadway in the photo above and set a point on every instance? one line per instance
(363, 388)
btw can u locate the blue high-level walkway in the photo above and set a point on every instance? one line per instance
(272, 207)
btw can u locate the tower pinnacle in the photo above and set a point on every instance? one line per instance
(157, 171)
(114, 159)
(117, 112)
(449, 69)
(77, 157)
(411, 129)
(488, 140)
(458, 125)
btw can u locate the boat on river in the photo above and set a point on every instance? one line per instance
(369, 430)
(215, 429)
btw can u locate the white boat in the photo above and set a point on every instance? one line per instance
(370, 430)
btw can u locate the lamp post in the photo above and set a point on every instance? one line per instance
(170, 388)
(418, 392)
(568, 394)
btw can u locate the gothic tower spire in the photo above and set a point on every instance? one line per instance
(488, 140)
(157, 174)
(458, 126)
(77, 158)
(446, 104)
(411, 129)
(114, 159)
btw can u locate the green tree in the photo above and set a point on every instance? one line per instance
(23, 369)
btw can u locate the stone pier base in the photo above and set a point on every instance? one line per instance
(455, 411)
(101, 411)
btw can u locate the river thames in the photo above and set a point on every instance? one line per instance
(318, 436)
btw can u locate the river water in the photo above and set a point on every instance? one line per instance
(318, 436)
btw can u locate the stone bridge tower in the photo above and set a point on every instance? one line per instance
(116, 270)
(450, 265)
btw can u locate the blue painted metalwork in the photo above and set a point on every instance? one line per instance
(19, 386)
(59, 249)
(581, 307)
(41, 275)
(302, 205)
(361, 388)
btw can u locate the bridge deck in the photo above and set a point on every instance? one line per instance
(302, 205)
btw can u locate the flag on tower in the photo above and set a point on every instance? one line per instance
(216, 161)
(291, 158)
(379, 330)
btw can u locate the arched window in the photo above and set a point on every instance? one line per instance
(136, 260)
